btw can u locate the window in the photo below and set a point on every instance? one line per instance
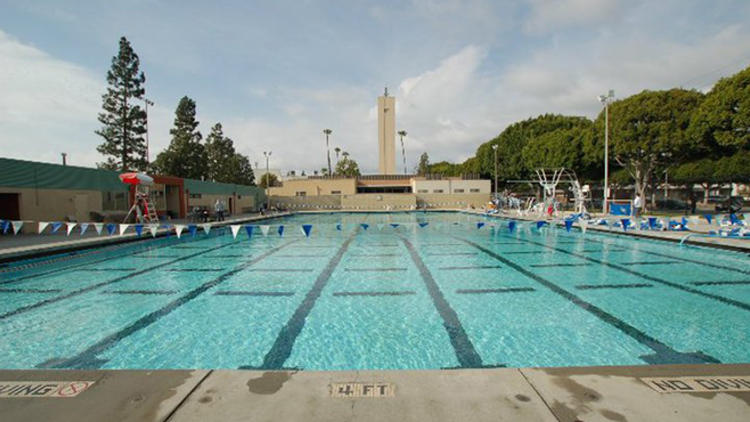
(300, 193)
(475, 190)
(335, 192)
(195, 195)
(437, 191)
(423, 191)
(458, 191)
(114, 201)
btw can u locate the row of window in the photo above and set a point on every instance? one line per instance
(473, 190)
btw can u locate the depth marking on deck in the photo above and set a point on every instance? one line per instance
(709, 384)
(42, 389)
(664, 354)
(361, 389)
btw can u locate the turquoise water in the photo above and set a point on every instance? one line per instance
(446, 295)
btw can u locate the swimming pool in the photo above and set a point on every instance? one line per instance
(386, 291)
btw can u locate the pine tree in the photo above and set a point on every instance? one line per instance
(224, 163)
(424, 164)
(186, 155)
(244, 174)
(123, 120)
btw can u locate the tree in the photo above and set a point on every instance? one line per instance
(423, 167)
(647, 131)
(337, 150)
(558, 148)
(224, 164)
(123, 121)
(703, 172)
(185, 156)
(347, 167)
(244, 174)
(268, 179)
(445, 168)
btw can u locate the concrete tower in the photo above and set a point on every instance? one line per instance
(387, 134)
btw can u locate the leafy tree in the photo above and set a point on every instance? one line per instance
(703, 172)
(268, 179)
(123, 121)
(186, 155)
(647, 130)
(446, 169)
(243, 174)
(558, 148)
(224, 164)
(723, 119)
(347, 167)
(735, 168)
(423, 167)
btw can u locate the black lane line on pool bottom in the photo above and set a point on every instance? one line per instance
(612, 286)
(393, 293)
(648, 263)
(463, 347)
(94, 270)
(139, 292)
(500, 290)
(678, 286)
(251, 293)
(105, 283)
(282, 346)
(663, 353)
(374, 269)
(472, 267)
(559, 265)
(88, 358)
(720, 283)
(694, 261)
(30, 290)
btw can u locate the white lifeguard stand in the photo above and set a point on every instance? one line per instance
(142, 207)
(550, 178)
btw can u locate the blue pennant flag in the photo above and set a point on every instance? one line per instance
(249, 230)
(307, 228)
(138, 229)
(480, 225)
(281, 230)
(709, 218)
(540, 224)
(365, 226)
(56, 226)
(568, 225)
(652, 222)
(625, 224)
(423, 224)
(193, 229)
(6, 226)
(732, 219)
(511, 226)
(111, 228)
(338, 227)
(394, 225)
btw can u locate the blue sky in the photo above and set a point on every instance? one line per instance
(276, 73)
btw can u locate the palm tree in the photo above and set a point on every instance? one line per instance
(337, 150)
(402, 133)
(328, 149)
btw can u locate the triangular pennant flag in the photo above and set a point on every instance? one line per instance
(281, 230)
(652, 223)
(84, 227)
(380, 226)
(42, 225)
(709, 218)
(138, 229)
(264, 229)
(153, 228)
(480, 225)
(583, 224)
(338, 227)
(98, 227)
(56, 226)
(249, 229)
(511, 226)
(423, 224)
(111, 227)
(306, 229)
(206, 228)
(5, 226)
(123, 228)
(69, 228)
(193, 229)
(235, 228)
(178, 229)
(394, 225)
(365, 226)
(16, 226)
(625, 224)
(568, 225)
(540, 224)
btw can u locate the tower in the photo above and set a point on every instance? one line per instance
(387, 133)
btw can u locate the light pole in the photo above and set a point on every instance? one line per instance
(328, 150)
(148, 103)
(402, 133)
(494, 148)
(606, 100)
(267, 154)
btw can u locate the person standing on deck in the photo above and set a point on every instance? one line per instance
(637, 204)
(219, 209)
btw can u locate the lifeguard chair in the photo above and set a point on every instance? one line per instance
(142, 208)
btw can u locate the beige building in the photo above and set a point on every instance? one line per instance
(387, 134)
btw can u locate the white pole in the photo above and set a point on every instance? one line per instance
(606, 155)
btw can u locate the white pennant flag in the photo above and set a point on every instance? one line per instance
(380, 226)
(235, 228)
(153, 228)
(206, 228)
(123, 228)
(98, 227)
(583, 224)
(178, 228)
(16, 226)
(84, 226)
(43, 225)
(69, 227)
(264, 229)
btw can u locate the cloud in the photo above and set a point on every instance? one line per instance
(550, 15)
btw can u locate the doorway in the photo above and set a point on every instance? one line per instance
(9, 206)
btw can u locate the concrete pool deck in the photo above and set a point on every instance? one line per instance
(525, 394)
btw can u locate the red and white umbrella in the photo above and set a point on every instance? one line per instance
(136, 179)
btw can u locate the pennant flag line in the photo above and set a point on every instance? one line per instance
(16, 226)
(193, 229)
(138, 229)
(56, 226)
(153, 228)
(123, 228)
(264, 229)
(568, 225)
(206, 228)
(249, 230)
(511, 226)
(69, 228)
(365, 226)
(235, 228)
(307, 228)
(98, 227)
(281, 231)
(480, 225)
(84, 227)
(111, 228)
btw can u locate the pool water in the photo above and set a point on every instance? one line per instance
(435, 291)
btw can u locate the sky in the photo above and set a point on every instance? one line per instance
(276, 73)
